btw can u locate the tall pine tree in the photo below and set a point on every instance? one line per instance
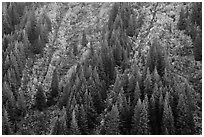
(168, 120)
(112, 121)
(140, 119)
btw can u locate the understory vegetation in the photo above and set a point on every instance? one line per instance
(101, 68)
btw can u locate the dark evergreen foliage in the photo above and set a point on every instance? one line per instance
(54, 89)
(55, 127)
(106, 90)
(82, 120)
(160, 59)
(6, 127)
(184, 122)
(113, 15)
(168, 119)
(74, 125)
(112, 122)
(84, 41)
(182, 20)
(198, 47)
(40, 100)
(140, 119)
(152, 57)
(196, 15)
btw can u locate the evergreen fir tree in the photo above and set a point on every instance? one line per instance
(182, 20)
(137, 94)
(55, 127)
(31, 27)
(131, 83)
(40, 100)
(131, 29)
(140, 119)
(54, 89)
(196, 15)
(157, 109)
(156, 76)
(125, 14)
(54, 84)
(82, 121)
(136, 118)
(112, 122)
(21, 106)
(148, 84)
(184, 122)
(125, 114)
(197, 50)
(168, 120)
(113, 15)
(6, 127)
(153, 115)
(45, 25)
(160, 58)
(84, 41)
(144, 120)
(151, 59)
(140, 21)
(58, 124)
(74, 125)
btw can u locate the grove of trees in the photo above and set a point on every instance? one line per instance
(102, 68)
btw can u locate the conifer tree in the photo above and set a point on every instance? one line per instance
(144, 120)
(125, 14)
(31, 27)
(55, 127)
(136, 118)
(140, 119)
(6, 127)
(84, 41)
(137, 93)
(184, 122)
(40, 100)
(131, 29)
(113, 15)
(151, 59)
(157, 97)
(125, 113)
(140, 20)
(45, 25)
(21, 106)
(196, 15)
(131, 83)
(156, 76)
(153, 115)
(54, 88)
(58, 124)
(182, 20)
(112, 122)
(82, 120)
(74, 125)
(90, 111)
(160, 58)
(198, 46)
(148, 84)
(167, 119)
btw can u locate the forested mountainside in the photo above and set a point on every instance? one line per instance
(101, 68)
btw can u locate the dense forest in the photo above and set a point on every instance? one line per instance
(101, 68)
